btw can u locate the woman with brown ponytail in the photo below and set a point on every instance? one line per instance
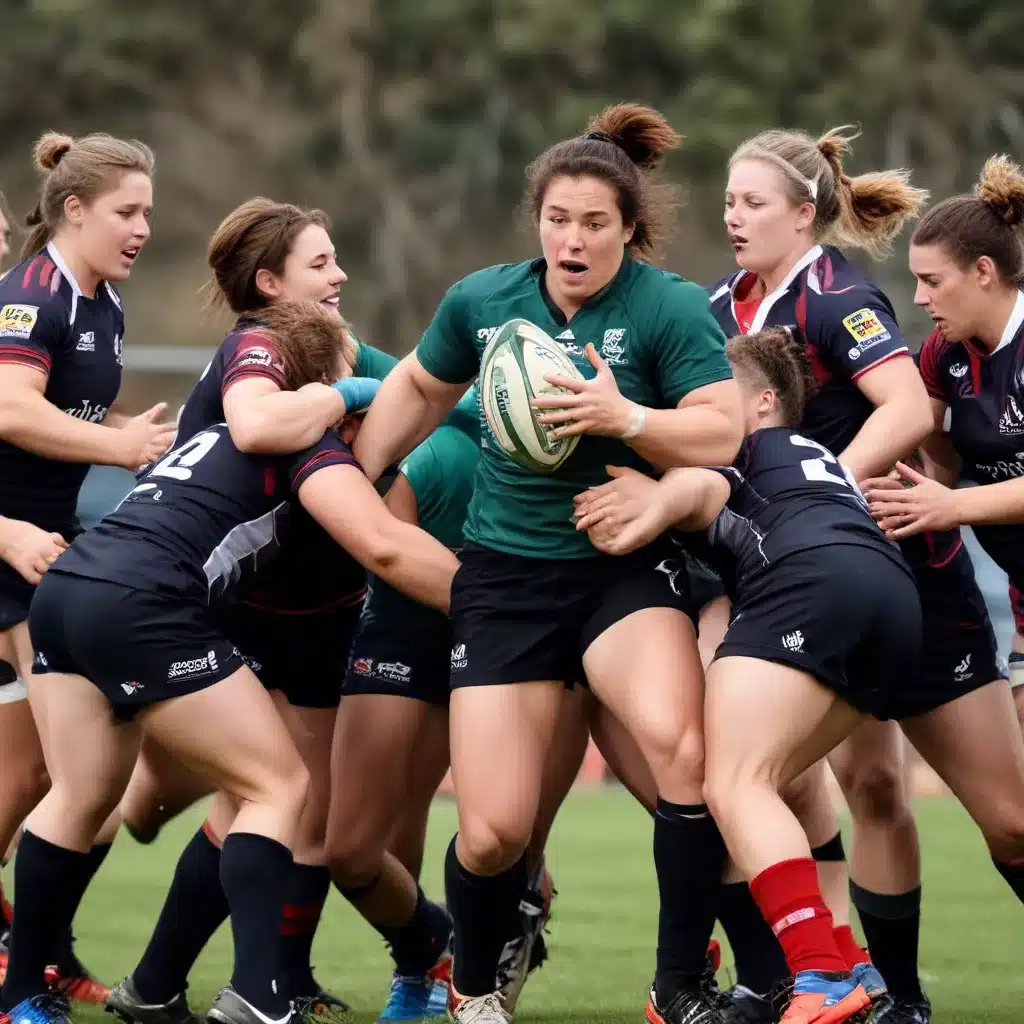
(61, 335)
(535, 606)
(790, 208)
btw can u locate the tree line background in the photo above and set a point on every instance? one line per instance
(411, 121)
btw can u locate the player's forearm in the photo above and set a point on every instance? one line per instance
(699, 435)
(29, 421)
(889, 434)
(418, 565)
(285, 421)
(991, 504)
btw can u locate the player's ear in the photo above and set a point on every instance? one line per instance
(74, 210)
(267, 283)
(986, 272)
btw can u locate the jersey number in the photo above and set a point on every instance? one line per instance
(178, 464)
(825, 468)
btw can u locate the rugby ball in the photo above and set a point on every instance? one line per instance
(512, 372)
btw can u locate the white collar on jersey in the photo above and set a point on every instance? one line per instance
(63, 268)
(76, 290)
(780, 289)
(1013, 325)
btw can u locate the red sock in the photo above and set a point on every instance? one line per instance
(790, 899)
(849, 948)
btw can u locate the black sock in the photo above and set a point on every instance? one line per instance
(418, 945)
(63, 956)
(194, 909)
(308, 886)
(485, 911)
(760, 962)
(49, 882)
(891, 927)
(689, 855)
(254, 872)
(1014, 875)
(831, 852)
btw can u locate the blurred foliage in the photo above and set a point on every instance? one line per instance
(411, 121)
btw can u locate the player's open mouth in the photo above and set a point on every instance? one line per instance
(331, 300)
(130, 253)
(574, 268)
(737, 242)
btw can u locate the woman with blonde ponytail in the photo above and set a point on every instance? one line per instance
(61, 335)
(790, 210)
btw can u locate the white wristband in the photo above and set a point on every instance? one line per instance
(637, 421)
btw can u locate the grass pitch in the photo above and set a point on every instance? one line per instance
(602, 935)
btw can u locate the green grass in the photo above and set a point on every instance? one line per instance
(602, 935)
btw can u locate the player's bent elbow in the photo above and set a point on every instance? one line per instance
(380, 552)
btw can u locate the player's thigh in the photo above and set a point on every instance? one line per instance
(232, 731)
(768, 721)
(500, 736)
(91, 752)
(974, 745)
(374, 764)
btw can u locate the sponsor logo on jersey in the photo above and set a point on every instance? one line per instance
(39, 661)
(89, 412)
(362, 666)
(1012, 420)
(131, 687)
(963, 671)
(459, 659)
(86, 342)
(794, 641)
(17, 321)
(1003, 470)
(194, 668)
(957, 370)
(671, 568)
(866, 330)
(612, 350)
(486, 333)
(119, 350)
(393, 671)
(256, 356)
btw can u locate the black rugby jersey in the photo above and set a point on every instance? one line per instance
(313, 572)
(46, 322)
(984, 395)
(848, 325)
(200, 518)
(788, 494)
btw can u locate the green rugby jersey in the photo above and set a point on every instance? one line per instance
(655, 331)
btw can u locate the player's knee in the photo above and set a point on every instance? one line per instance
(802, 794)
(875, 792)
(284, 786)
(26, 783)
(356, 851)
(675, 753)
(490, 845)
(1004, 833)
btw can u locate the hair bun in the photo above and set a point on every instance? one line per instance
(641, 132)
(50, 150)
(1001, 189)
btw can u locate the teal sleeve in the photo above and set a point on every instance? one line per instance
(446, 350)
(690, 346)
(372, 362)
(441, 472)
